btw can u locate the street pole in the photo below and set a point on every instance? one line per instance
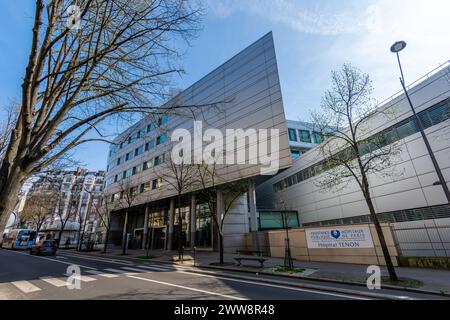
(419, 124)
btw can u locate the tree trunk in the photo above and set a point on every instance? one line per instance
(180, 227)
(379, 230)
(124, 235)
(9, 190)
(105, 247)
(221, 260)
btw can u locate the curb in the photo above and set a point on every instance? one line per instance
(289, 284)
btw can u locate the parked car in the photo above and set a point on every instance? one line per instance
(44, 247)
(3, 238)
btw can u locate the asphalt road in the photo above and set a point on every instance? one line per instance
(23, 276)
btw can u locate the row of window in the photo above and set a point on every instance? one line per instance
(139, 150)
(426, 213)
(429, 117)
(154, 162)
(140, 134)
(144, 187)
(305, 136)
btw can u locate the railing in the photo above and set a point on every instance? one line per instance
(430, 238)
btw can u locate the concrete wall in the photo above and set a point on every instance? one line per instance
(300, 251)
(235, 225)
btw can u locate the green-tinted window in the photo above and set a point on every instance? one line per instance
(406, 128)
(305, 136)
(292, 135)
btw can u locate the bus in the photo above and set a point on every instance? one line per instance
(19, 239)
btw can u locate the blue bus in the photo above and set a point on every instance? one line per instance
(19, 239)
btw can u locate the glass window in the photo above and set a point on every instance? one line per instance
(138, 151)
(292, 135)
(119, 161)
(145, 187)
(406, 128)
(425, 119)
(305, 136)
(129, 156)
(439, 113)
(150, 145)
(163, 120)
(159, 160)
(295, 154)
(147, 165)
(141, 133)
(156, 183)
(137, 170)
(161, 139)
(151, 127)
(318, 137)
(131, 139)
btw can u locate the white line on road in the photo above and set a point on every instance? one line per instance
(133, 269)
(114, 270)
(55, 282)
(25, 286)
(276, 286)
(83, 278)
(187, 288)
(79, 256)
(54, 260)
(155, 268)
(102, 274)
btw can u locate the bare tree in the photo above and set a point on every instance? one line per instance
(209, 182)
(285, 218)
(91, 63)
(349, 155)
(38, 206)
(127, 196)
(7, 123)
(104, 211)
(179, 176)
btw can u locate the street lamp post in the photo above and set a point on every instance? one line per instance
(396, 48)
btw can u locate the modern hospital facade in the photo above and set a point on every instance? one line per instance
(245, 93)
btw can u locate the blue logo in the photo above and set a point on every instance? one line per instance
(335, 234)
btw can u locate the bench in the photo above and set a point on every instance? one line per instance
(250, 252)
(260, 260)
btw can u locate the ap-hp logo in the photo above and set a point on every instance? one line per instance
(335, 234)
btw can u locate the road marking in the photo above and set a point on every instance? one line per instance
(343, 295)
(102, 274)
(115, 270)
(25, 286)
(54, 260)
(55, 281)
(134, 269)
(125, 263)
(155, 268)
(186, 288)
(82, 278)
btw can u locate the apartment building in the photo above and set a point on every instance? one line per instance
(75, 197)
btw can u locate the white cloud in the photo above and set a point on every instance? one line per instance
(292, 14)
(361, 33)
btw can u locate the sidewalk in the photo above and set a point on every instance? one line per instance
(437, 281)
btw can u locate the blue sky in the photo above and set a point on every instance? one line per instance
(311, 39)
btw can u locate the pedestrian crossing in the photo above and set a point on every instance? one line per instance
(37, 285)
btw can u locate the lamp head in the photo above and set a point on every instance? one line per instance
(398, 46)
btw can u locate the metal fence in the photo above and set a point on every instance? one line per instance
(426, 238)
